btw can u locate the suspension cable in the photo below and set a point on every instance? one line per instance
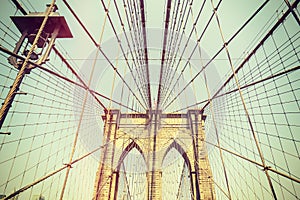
(220, 50)
(102, 52)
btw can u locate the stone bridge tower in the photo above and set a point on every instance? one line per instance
(161, 132)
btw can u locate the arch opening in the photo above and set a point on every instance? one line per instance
(132, 170)
(176, 180)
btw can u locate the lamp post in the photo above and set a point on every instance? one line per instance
(39, 32)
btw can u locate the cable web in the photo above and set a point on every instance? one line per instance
(235, 62)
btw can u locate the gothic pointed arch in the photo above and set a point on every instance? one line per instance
(181, 151)
(127, 150)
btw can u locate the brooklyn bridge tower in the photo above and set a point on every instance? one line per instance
(157, 134)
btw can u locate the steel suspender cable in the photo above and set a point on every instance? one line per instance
(221, 49)
(69, 80)
(160, 86)
(121, 47)
(102, 52)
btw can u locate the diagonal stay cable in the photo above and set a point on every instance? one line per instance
(82, 85)
(172, 42)
(171, 77)
(242, 98)
(135, 42)
(60, 169)
(242, 87)
(102, 52)
(193, 51)
(293, 12)
(216, 129)
(267, 168)
(139, 37)
(132, 52)
(220, 50)
(74, 146)
(133, 23)
(120, 45)
(175, 28)
(173, 61)
(276, 25)
(185, 47)
(217, 95)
